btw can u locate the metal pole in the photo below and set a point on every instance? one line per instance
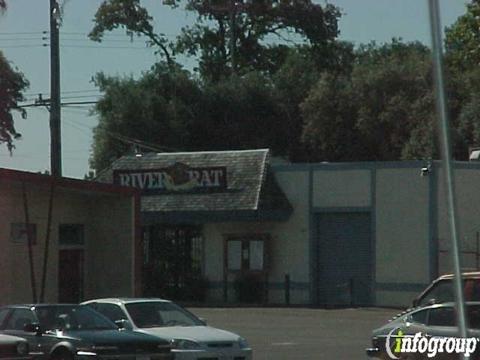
(287, 289)
(29, 244)
(477, 254)
(55, 128)
(47, 243)
(435, 28)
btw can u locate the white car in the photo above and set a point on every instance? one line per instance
(13, 348)
(190, 337)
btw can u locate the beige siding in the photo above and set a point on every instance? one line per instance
(402, 226)
(468, 215)
(98, 213)
(111, 249)
(288, 249)
(341, 188)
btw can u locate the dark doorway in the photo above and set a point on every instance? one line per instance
(70, 275)
(345, 259)
(173, 262)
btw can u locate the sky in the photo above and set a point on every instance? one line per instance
(24, 43)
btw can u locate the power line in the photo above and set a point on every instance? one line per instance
(106, 47)
(63, 92)
(119, 137)
(45, 103)
(21, 46)
(23, 33)
(25, 39)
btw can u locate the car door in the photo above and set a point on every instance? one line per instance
(110, 311)
(15, 324)
(442, 323)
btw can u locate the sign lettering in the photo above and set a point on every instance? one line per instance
(176, 178)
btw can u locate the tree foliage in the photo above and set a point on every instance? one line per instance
(171, 111)
(229, 36)
(463, 39)
(12, 83)
(237, 36)
(131, 16)
(240, 113)
(374, 112)
(155, 109)
(313, 99)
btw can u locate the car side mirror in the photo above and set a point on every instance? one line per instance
(33, 328)
(123, 324)
(432, 302)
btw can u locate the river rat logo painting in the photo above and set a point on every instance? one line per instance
(178, 177)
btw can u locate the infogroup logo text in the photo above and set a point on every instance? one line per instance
(431, 346)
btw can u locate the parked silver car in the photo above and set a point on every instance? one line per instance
(13, 347)
(437, 322)
(191, 338)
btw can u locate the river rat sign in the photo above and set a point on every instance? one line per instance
(176, 178)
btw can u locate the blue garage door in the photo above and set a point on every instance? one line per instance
(345, 259)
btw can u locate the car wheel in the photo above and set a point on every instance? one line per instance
(408, 357)
(62, 355)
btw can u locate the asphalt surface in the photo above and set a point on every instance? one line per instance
(294, 333)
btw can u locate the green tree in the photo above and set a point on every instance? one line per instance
(240, 112)
(229, 36)
(381, 110)
(462, 40)
(155, 110)
(12, 84)
(330, 132)
(171, 111)
(131, 16)
(299, 72)
(232, 36)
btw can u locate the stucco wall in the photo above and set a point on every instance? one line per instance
(468, 216)
(402, 234)
(97, 213)
(111, 248)
(288, 248)
(341, 188)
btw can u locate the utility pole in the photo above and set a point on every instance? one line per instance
(55, 117)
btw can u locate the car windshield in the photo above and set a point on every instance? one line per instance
(156, 314)
(72, 318)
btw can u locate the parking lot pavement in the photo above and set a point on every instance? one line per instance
(294, 333)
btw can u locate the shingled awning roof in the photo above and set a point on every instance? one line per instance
(251, 192)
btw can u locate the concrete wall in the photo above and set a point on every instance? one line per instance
(111, 249)
(341, 188)
(98, 214)
(399, 201)
(288, 249)
(402, 230)
(467, 180)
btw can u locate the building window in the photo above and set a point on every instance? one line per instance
(19, 233)
(246, 253)
(71, 234)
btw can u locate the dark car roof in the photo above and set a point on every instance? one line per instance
(29, 306)
(126, 300)
(470, 275)
(446, 304)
